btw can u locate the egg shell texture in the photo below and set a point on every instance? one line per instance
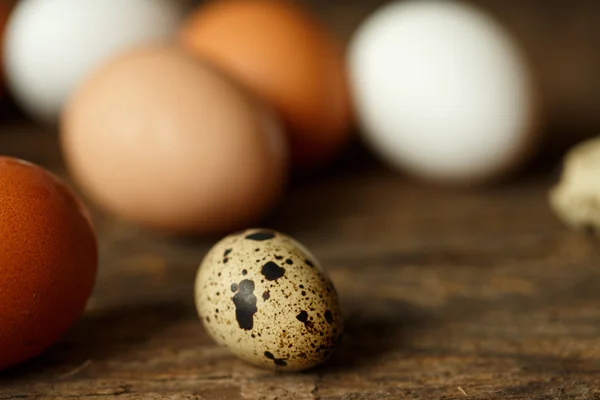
(285, 55)
(265, 297)
(48, 260)
(575, 198)
(444, 92)
(52, 46)
(163, 140)
(5, 9)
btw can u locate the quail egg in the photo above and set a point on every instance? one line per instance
(266, 298)
(576, 198)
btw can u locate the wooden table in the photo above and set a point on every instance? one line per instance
(478, 294)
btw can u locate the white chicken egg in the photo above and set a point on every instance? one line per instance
(442, 91)
(50, 46)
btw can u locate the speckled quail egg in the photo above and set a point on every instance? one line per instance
(576, 198)
(266, 298)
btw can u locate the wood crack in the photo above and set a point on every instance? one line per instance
(315, 391)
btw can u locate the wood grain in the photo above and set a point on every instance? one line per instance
(478, 294)
(475, 294)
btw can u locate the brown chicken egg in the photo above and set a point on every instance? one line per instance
(48, 260)
(5, 9)
(284, 55)
(167, 142)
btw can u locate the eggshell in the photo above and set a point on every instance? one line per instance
(48, 260)
(167, 142)
(443, 92)
(263, 295)
(51, 46)
(5, 9)
(283, 54)
(576, 198)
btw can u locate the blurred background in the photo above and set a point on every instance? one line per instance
(560, 38)
(558, 41)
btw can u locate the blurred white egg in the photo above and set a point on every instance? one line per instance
(443, 92)
(51, 45)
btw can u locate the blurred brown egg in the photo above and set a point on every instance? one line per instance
(48, 260)
(283, 54)
(167, 142)
(5, 8)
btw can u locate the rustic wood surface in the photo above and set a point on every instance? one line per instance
(478, 294)
(454, 294)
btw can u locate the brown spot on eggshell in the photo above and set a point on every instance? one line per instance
(275, 321)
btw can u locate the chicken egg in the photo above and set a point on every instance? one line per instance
(5, 9)
(48, 260)
(165, 141)
(285, 56)
(265, 297)
(443, 92)
(51, 46)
